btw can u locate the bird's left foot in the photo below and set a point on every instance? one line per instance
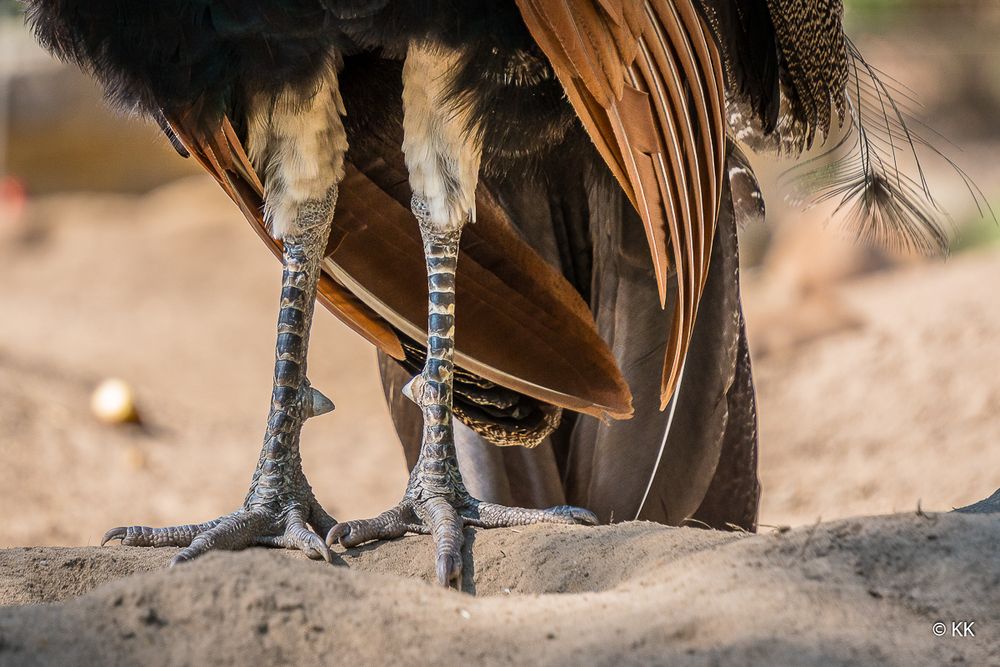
(445, 518)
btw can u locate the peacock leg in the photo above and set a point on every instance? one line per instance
(442, 158)
(436, 501)
(280, 506)
(299, 142)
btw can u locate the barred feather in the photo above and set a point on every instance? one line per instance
(814, 63)
(874, 172)
(824, 87)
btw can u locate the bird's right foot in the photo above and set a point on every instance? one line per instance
(293, 519)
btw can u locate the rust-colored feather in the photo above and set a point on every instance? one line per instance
(521, 324)
(222, 155)
(646, 80)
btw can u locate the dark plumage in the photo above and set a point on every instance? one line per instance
(745, 31)
(214, 56)
(207, 54)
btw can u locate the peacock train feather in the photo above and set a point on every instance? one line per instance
(822, 92)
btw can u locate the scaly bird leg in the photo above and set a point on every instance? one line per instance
(443, 162)
(280, 506)
(299, 142)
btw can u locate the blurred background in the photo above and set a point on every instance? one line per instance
(878, 375)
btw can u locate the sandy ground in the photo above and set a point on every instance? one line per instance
(852, 592)
(876, 394)
(881, 392)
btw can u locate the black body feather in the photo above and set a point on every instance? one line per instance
(212, 57)
(202, 55)
(746, 36)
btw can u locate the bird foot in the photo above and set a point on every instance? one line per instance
(445, 518)
(282, 522)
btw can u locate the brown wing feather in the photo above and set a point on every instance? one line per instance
(646, 80)
(222, 156)
(522, 325)
(519, 322)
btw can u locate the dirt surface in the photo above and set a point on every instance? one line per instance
(851, 592)
(880, 392)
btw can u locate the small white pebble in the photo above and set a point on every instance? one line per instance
(113, 402)
(464, 613)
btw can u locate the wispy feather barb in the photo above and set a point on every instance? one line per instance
(874, 171)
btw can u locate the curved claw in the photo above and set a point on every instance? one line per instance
(114, 534)
(449, 569)
(178, 559)
(196, 548)
(318, 548)
(298, 535)
(338, 533)
(582, 516)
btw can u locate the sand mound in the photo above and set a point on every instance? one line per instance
(849, 592)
